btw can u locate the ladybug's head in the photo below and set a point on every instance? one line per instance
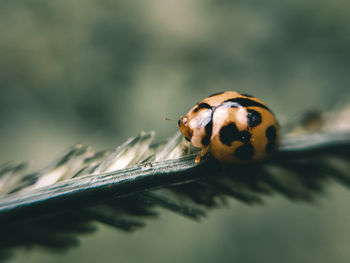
(185, 129)
(194, 128)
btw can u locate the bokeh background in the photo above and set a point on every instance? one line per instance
(97, 72)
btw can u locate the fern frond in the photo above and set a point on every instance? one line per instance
(121, 188)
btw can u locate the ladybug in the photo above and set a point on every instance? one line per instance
(235, 127)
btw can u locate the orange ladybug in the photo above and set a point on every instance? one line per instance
(235, 127)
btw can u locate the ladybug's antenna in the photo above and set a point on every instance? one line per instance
(168, 119)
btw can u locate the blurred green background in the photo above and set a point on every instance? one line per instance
(97, 72)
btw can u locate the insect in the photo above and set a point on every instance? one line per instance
(235, 127)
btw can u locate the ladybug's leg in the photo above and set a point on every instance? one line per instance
(201, 153)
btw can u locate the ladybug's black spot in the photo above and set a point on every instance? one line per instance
(253, 118)
(245, 94)
(244, 136)
(230, 133)
(244, 152)
(271, 135)
(245, 102)
(187, 139)
(202, 105)
(215, 94)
